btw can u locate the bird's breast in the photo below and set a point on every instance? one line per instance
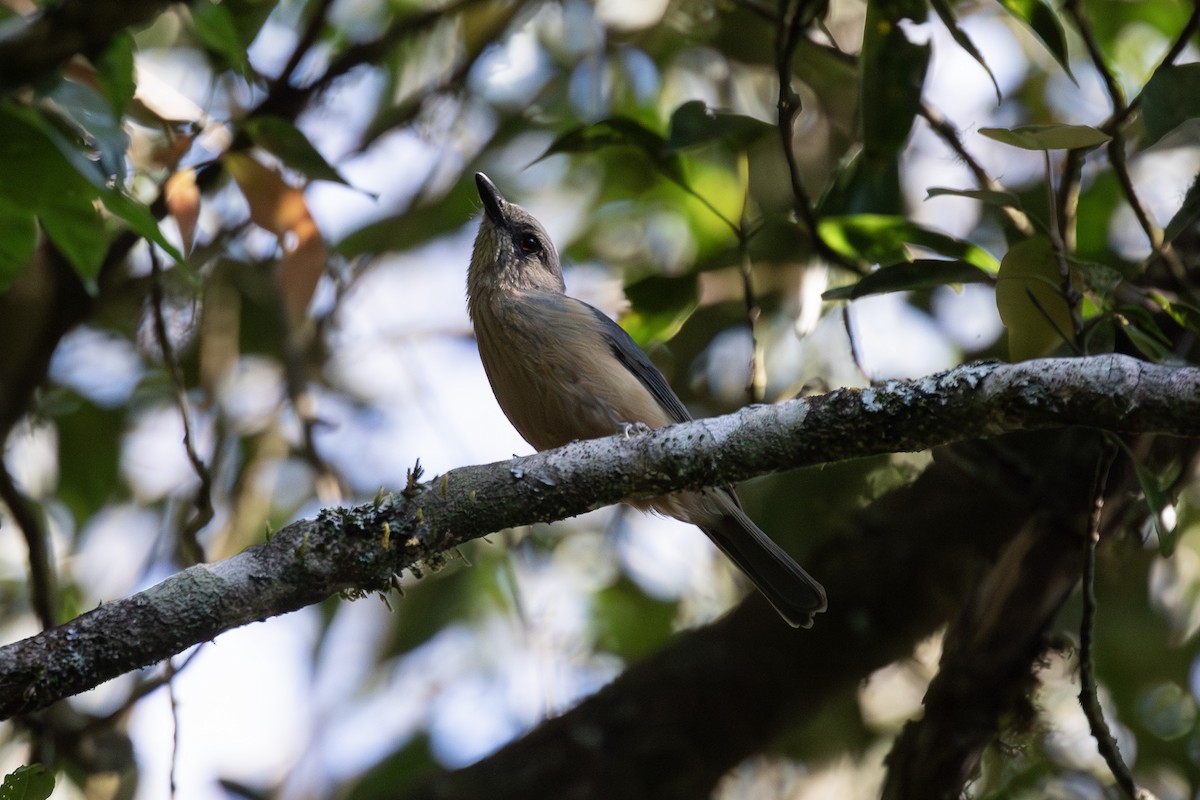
(554, 375)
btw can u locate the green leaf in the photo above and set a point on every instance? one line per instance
(1154, 490)
(660, 306)
(946, 13)
(919, 274)
(1048, 137)
(694, 124)
(115, 72)
(620, 131)
(215, 27)
(78, 231)
(1137, 323)
(893, 72)
(1030, 301)
(30, 782)
(414, 226)
(989, 197)
(628, 623)
(18, 239)
(1186, 316)
(282, 138)
(883, 239)
(1169, 99)
(38, 180)
(1187, 214)
(1100, 279)
(1045, 24)
(868, 184)
(79, 113)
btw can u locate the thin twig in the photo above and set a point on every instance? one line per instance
(757, 381)
(189, 545)
(1114, 128)
(43, 579)
(788, 32)
(949, 134)
(1088, 699)
(1071, 296)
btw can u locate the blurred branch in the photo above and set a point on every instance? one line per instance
(673, 724)
(357, 551)
(949, 134)
(203, 501)
(43, 581)
(1089, 699)
(31, 47)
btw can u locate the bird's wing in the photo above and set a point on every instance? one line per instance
(637, 362)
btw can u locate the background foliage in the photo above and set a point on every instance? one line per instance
(233, 238)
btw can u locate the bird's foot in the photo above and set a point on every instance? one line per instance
(631, 429)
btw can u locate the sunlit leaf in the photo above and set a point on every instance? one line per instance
(694, 123)
(284, 139)
(1170, 98)
(1048, 137)
(1045, 24)
(919, 274)
(30, 782)
(281, 209)
(884, 239)
(183, 203)
(1030, 301)
(1155, 490)
(660, 306)
(946, 13)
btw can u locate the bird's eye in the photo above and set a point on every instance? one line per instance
(531, 245)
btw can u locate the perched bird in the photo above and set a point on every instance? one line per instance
(562, 370)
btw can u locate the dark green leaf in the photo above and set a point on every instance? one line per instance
(415, 225)
(1187, 214)
(694, 123)
(115, 72)
(217, 30)
(620, 131)
(1186, 316)
(1048, 137)
(18, 238)
(1171, 98)
(946, 13)
(1045, 24)
(1154, 489)
(30, 782)
(78, 232)
(893, 73)
(919, 274)
(1137, 323)
(869, 184)
(1100, 279)
(282, 138)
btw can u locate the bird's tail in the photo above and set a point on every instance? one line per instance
(794, 593)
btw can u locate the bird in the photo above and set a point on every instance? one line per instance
(562, 370)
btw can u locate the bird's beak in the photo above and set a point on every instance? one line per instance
(493, 202)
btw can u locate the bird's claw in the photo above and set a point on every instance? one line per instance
(631, 429)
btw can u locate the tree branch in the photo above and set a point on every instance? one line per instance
(358, 551)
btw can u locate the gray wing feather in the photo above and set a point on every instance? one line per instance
(637, 362)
